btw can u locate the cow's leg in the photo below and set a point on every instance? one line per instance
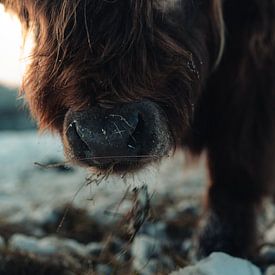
(235, 119)
(234, 196)
(241, 156)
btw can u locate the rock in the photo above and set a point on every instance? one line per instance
(220, 264)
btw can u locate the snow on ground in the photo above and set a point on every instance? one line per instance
(220, 264)
(26, 186)
(31, 198)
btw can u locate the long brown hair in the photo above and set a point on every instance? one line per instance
(94, 51)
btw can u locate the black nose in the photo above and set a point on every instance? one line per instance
(127, 132)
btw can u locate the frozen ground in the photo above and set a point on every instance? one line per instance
(23, 183)
(63, 225)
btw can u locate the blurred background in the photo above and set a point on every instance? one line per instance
(13, 60)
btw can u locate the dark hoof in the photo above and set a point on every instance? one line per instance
(219, 235)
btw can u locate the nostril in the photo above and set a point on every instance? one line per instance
(102, 137)
(82, 134)
(75, 138)
(134, 141)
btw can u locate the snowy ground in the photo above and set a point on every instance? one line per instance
(30, 195)
(23, 183)
(63, 225)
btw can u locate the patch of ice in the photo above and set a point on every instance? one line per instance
(220, 264)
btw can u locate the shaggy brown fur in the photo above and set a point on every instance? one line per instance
(216, 85)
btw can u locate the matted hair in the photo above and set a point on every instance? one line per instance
(110, 51)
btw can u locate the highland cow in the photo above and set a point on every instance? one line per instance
(125, 81)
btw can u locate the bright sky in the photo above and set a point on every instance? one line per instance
(12, 57)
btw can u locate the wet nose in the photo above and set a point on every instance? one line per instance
(126, 133)
(101, 136)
